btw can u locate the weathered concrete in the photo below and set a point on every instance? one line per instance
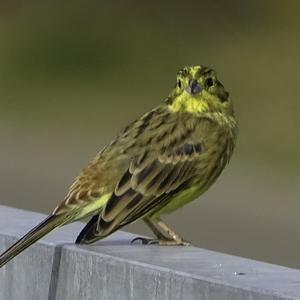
(56, 269)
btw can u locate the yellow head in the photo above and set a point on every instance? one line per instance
(198, 90)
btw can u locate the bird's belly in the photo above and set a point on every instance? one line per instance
(181, 198)
(196, 188)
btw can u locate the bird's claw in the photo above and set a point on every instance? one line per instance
(162, 242)
(145, 241)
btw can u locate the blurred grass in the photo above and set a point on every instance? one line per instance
(73, 73)
(58, 59)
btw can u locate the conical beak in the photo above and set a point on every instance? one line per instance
(194, 87)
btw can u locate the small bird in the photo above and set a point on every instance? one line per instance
(158, 163)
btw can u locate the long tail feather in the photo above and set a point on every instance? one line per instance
(31, 237)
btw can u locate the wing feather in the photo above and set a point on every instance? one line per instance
(142, 188)
(157, 155)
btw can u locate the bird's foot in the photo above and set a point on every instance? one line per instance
(144, 241)
(175, 243)
(161, 242)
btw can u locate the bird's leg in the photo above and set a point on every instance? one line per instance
(152, 225)
(176, 239)
(160, 236)
(165, 235)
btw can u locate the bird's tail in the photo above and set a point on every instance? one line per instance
(32, 236)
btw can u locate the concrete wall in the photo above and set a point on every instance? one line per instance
(56, 269)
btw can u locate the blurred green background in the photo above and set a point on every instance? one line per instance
(73, 73)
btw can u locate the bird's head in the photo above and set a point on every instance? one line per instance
(198, 90)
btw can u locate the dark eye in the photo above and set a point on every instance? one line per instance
(179, 83)
(209, 82)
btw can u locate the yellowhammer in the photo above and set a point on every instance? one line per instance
(158, 163)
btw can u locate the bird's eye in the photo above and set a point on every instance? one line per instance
(179, 83)
(209, 82)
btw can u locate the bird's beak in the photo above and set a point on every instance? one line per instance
(194, 87)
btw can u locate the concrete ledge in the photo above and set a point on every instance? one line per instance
(56, 269)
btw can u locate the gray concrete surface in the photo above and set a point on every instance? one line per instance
(56, 269)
